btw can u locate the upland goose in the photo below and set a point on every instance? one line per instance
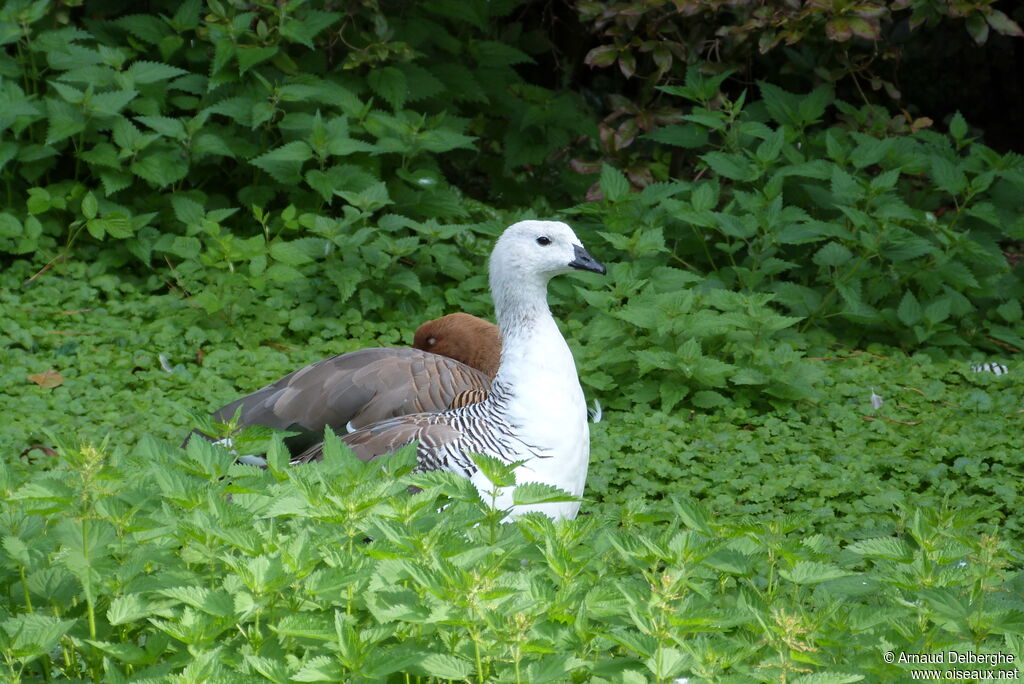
(535, 411)
(356, 389)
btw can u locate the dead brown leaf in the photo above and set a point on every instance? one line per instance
(49, 379)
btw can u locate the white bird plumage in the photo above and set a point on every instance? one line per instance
(535, 411)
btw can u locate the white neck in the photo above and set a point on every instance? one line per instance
(537, 393)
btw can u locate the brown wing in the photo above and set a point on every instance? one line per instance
(360, 387)
(389, 436)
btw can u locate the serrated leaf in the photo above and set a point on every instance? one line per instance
(958, 126)
(160, 165)
(832, 254)
(389, 83)
(888, 548)
(948, 176)
(813, 572)
(165, 125)
(445, 666)
(708, 399)
(151, 72)
(305, 28)
(537, 493)
(909, 311)
(187, 210)
(32, 635)
(731, 165)
(127, 609)
(284, 164)
(498, 472)
(289, 253)
(613, 184)
(146, 27)
(111, 102)
(251, 55)
(688, 135)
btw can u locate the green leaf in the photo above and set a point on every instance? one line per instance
(284, 164)
(613, 184)
(688, 135)
(708, 399)
(948, 176)
(289, 253)
(160, 165)
(389, 83)
(731, 165)
(164, 125)
(538, 493)
(1010, 311)
(110, 103)
(187, 210)
(498, 472)
(832, 254)
(32, 635)
(305, 28)
(1003, 24)
(909, 311)
(127, 609)
(704, 197)
(251, 55)
(813, 572)
(937, 311)
(445, 666)
(63, 121)
(145, 27)
(958, 126)
(151, 72)
(10, 226)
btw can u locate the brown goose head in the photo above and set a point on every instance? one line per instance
(460, 336)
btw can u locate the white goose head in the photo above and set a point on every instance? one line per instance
(532, 252)
(527, 255)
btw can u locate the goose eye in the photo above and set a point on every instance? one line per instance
(543, 241)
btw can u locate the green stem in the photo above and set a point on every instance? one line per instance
(24, 588)
(479, 660)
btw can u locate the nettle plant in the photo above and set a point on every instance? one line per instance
(240, 145)
(689, 336)
(154, 563)
(866, 233)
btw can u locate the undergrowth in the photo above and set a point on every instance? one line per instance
(189, 566)
(732, 544)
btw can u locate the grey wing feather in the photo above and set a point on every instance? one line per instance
(360, 387)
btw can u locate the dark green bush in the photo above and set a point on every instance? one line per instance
(239, 144)
(871, 235)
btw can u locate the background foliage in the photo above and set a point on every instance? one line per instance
(199, 197)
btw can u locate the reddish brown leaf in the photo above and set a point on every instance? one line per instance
(838, 30)
(49, 379)
(920, 123)
(41, 447)
(627, 64)
(584, 168)
(862, 28)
